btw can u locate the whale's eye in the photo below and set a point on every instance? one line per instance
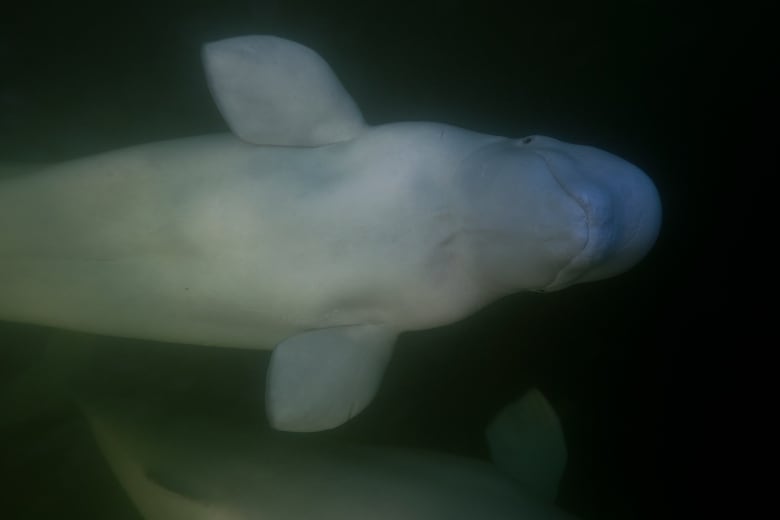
(526, 140)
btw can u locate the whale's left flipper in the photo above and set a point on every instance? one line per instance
(273, 91)
(319, 379)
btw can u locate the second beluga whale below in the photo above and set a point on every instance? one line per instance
(308, 232)
(188, 466)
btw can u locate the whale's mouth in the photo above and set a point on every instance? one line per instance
(621, 210)
(596, 206)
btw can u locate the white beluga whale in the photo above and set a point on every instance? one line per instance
(190, 467)
(309, 232)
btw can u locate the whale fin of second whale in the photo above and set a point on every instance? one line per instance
(526, 440)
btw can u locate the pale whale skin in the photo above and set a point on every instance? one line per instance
(182, 466)
(322, 248)
(212, 241)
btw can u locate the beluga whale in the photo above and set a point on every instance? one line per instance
(309, 232)
(187, 466)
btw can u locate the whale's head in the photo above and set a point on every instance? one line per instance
(543, 214)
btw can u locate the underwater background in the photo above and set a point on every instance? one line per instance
(644, 80)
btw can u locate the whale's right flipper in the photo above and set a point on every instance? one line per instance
(320, 379)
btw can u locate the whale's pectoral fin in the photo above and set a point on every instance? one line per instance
(526, 440)
(320, 379)
(273, 91)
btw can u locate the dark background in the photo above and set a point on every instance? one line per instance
(658, 83)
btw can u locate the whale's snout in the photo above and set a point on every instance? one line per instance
(542, 214)
(621, 206)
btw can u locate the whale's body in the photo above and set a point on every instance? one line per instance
(308, 232)
(177, 466)
(267, 242)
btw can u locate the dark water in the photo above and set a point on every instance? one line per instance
(637, 78)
